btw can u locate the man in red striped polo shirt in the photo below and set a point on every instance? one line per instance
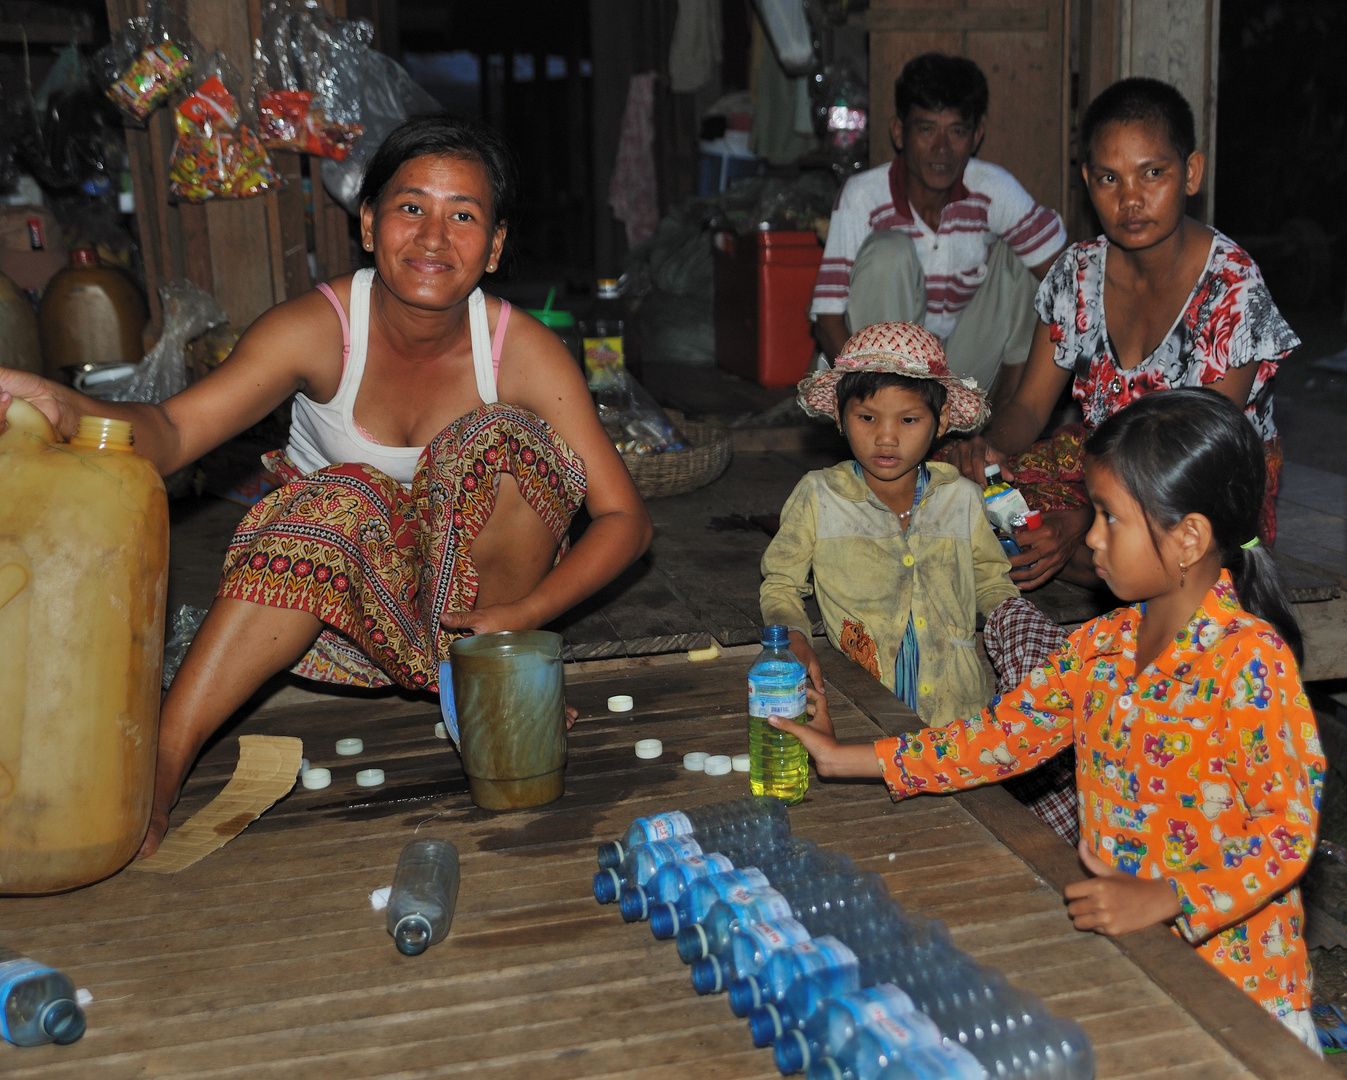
(938, 237)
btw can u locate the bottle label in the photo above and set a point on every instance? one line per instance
(777, 696)
(665, 826)
(13, 972)
(700, 866)
(765, 905)
(680, 847)
(604, 358)
(747, 879)
(777, 936)
(876, 1002)
(823, 954)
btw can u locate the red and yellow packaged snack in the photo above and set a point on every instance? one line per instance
(216, 155)
(292, 120)
(149, 80)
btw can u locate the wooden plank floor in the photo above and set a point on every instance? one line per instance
(265, 959)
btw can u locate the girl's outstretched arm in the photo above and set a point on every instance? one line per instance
(831, 758)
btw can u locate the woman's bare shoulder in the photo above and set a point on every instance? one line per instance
(302, 335)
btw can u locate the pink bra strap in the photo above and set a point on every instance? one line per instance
(326, 290)
(499, 339)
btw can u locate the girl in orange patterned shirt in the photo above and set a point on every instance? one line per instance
(1199, 770)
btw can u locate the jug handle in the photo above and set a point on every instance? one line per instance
(26, 418)
(447, 708)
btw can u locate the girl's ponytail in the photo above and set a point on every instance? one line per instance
(1181, 452)
(1262, 593)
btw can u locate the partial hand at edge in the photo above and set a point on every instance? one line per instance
(1114, 902)
(804, 652)
(971, 457)
(1045, 550)
(490, 620)
(42, 394)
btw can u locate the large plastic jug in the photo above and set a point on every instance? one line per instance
(83, 575)
(19, 346)
(90, 314)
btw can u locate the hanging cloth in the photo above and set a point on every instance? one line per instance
(695, 50)
(632, 192)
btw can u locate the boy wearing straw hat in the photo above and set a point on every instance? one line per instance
(901, 554)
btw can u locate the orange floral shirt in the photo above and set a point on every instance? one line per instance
(1204, 769)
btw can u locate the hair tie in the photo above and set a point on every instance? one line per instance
(1249, 545)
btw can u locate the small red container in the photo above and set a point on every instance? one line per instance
(764, 283)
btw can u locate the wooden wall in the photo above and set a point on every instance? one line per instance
(1023, 46)
(249, 253)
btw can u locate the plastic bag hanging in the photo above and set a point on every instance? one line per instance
(218, 154)
(188, 313)
(148, 58)
(306, 78)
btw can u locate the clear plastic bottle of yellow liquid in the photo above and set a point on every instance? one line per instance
(778, 763)
(83, 575)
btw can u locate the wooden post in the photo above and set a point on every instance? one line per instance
(1023, 47)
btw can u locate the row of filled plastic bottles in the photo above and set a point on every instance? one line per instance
(826, 966)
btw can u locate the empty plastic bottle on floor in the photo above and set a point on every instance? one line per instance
(769, 812)
(750, 948)
(669, 883)
(887, 1041)
(837, 1020)
(778, 763)
(1052, 1048)
(739, 906)
(425, 891)
(640, 864)
(37, 1003)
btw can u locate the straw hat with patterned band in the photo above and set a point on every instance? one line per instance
(903, 349)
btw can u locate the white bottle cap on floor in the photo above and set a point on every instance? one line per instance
(441, 732)
(369, 777)
(347, 747)
(304, 766)
(740, 762)
(695, 761)
(313, 779)
(649, 748)
(620, 703)
(717, 765)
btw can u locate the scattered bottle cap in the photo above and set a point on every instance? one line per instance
(304, 766)
(369, 777)
(649, 748)
(1032, 520)
(348, 747)
(717, 765)
(695, 761)
(378, 899)
(441, 732)
(313, 779)
(83, 996)
(620, 703)
(991, 470)
(740, 762)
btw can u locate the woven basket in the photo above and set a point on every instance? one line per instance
(676, 472)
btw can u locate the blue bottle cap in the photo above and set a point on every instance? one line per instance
(775, 634)
(746, 995)
(664, 921)
(709, 975)
(63, 1021)
(765, 1025)
(633, 904)
(610, 855)
(792, 1052)
(606, 886)
(692, 943)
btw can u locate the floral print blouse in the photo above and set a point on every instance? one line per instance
(1203, 769)
(1229, 321)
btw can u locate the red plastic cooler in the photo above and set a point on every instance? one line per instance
(764, 283)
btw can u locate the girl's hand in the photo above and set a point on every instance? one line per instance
(804, 652)
(1113, 902)
(831, 758)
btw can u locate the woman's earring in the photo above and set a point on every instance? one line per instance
(368, 246)
(1183, 575)
(491, 269)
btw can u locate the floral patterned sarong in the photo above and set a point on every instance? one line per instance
(379, 564)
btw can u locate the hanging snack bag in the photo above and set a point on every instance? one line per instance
(217, 155)
(146, 62)
(306, 78)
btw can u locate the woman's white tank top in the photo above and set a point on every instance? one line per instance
(326, 434)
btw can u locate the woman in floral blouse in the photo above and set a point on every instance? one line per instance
(1199, 769)
(1159, 301)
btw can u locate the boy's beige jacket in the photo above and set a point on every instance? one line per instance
(867, 573)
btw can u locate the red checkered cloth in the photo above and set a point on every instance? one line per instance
(1018, 638)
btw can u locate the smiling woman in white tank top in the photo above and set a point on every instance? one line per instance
(443, 509)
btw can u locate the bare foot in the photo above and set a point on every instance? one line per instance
(572, 715)
(155, 836)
